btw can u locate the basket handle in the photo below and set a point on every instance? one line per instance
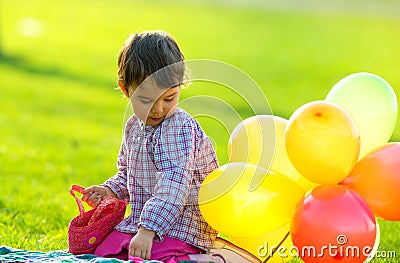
(78, 189)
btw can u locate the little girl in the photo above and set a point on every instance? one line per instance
(163, 159)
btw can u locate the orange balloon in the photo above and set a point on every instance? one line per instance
(322, 142)
(376, 178)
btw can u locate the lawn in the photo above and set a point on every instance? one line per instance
(61, 117)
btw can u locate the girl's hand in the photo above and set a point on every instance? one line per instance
(142, 243)
(94, 194)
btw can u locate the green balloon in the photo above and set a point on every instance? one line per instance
(372, 103)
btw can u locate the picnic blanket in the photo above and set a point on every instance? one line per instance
(8, 255)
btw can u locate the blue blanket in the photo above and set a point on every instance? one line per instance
(9, 255)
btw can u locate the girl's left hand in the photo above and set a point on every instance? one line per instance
(94, 194)
(142, 243)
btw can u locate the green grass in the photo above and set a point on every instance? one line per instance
(61, 118)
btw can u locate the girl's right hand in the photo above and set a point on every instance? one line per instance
(94, 194)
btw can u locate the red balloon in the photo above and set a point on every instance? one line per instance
(333, 224)
(376, 178)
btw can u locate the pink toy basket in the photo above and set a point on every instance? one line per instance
(87, 230)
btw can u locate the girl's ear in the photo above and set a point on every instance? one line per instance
(123, 88)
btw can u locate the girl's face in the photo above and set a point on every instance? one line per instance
(153, 104)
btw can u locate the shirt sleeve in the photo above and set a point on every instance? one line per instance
(174, 153)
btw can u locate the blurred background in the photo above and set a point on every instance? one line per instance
(61, 117)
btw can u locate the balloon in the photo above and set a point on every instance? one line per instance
(376, 244)
(376, 178)
(253, 141)
(281, 162)
(322, 142)
(230, 207)
(272, 247)
(372, 103)
(260, 139)
(333, 224)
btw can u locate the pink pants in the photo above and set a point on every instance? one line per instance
(170, 250)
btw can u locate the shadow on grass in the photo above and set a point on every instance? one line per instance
(21, 63)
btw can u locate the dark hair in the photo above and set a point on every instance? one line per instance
(151, 53)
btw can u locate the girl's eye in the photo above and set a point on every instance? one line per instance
(145, 101)
(169, 99)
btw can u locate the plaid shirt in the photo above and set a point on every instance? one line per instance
(160, 170)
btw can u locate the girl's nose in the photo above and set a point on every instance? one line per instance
(157, 107)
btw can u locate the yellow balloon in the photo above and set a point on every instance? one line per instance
(322, 142)
(253, 141)
(275, 246)
(231, 207)
(260, 140)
